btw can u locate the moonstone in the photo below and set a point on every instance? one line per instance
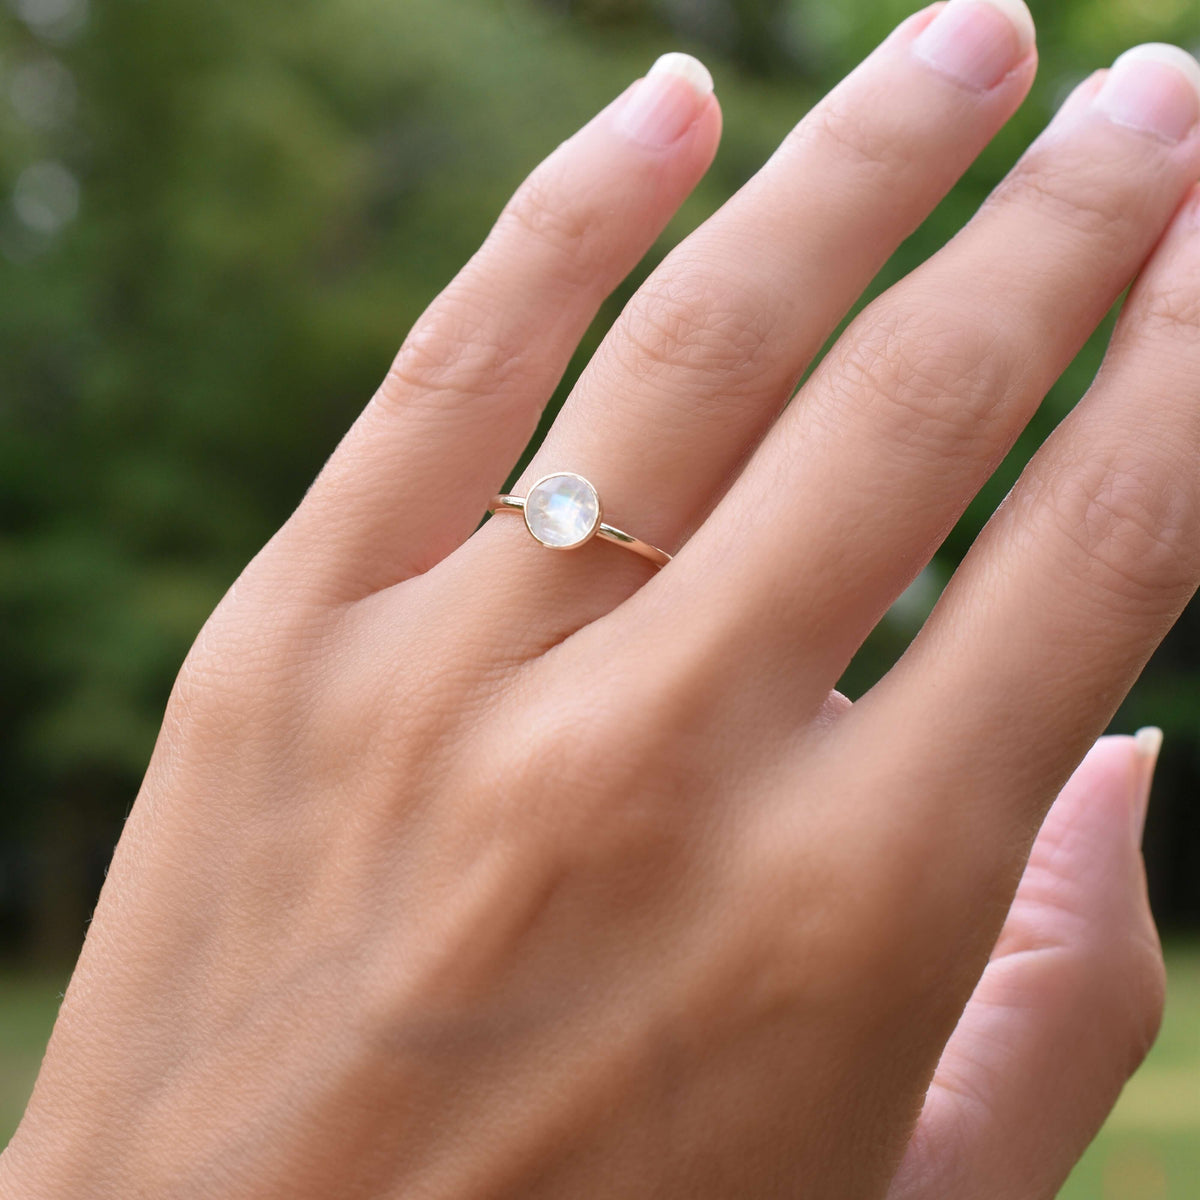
(562, 511)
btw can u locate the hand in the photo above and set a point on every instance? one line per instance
(465, 869)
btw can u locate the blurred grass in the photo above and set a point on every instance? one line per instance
(1149, 1150)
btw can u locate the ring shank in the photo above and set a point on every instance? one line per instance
(610, 533)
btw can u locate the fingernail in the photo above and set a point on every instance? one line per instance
(977, 42)
(1147, 743)
(1153, 88)
(663, 104)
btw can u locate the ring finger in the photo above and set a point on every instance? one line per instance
(913, 409)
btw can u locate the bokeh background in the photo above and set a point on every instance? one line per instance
(218, 218)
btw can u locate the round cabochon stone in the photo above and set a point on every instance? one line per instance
(562, 511)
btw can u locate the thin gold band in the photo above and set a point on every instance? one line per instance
(610, 533)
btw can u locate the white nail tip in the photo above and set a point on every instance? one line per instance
(1148, 741)
(686, 67)
(1020, 17)
(1164, 52)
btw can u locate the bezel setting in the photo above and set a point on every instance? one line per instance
(597, 517)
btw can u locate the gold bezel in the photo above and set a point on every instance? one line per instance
(595, 524)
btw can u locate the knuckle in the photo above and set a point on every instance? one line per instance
(242, 675)
(689, 319)
(255, 633)
(555, 218)
(547, 773)
(845, 133)
(1079, 191)
(926, 377)
(1131, 513)
(610, 778)
(454, 347)
(463, 345)
(1172, 309)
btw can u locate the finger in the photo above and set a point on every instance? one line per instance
(1066, 1008)
(1081, 572)
(705, 354)
(414, 474)
(916, 405)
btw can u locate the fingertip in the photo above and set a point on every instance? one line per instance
(1119, 769)
(1105, 768)
(663, 107)
(1090, 841)
(978, 43)
(686, 67)
(1017, 12)
(1148, 742)
(1090, 819)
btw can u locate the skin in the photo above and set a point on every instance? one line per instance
(465, 869)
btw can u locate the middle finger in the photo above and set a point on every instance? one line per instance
(905, 419)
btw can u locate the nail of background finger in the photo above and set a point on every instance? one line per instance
(662, 105)
(1147, 742)
(1154, 88)
(977, 42)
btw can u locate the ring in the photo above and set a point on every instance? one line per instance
(563, 511)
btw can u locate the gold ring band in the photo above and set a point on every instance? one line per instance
(563, 512)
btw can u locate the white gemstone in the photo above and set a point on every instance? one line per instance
(562, 511)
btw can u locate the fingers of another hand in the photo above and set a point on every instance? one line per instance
(913, 409)
(414, 474)
(1065, 1010)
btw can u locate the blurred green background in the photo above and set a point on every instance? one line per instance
(217, 220)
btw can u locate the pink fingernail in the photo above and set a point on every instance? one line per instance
(1155, 89)
(977, 42)
(663, 105)
(1147, 743)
